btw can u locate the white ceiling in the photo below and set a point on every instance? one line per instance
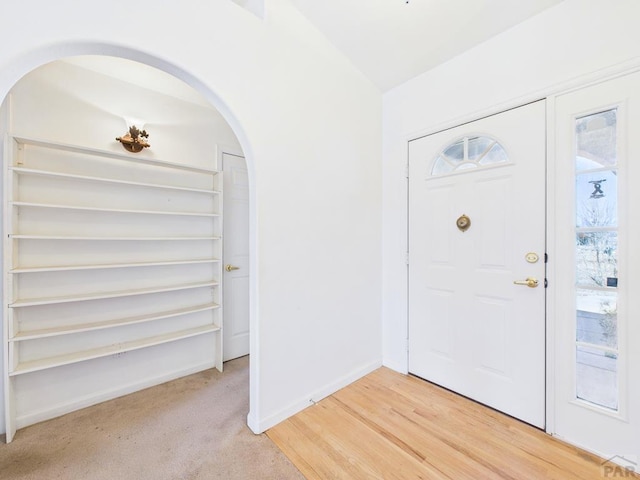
(392, 41)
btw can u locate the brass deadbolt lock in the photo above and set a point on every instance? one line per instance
(531, 257)
(463, 223)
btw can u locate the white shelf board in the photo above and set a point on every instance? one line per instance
(58, 361)
(32, 302)
(45, 173)
(120, 322)
(113, 155)
(66, 268)
(108, 239)
(112, 210)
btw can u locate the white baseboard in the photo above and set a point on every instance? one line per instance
(616, 458)
(253, 423)
(102, 396)
(258, 425)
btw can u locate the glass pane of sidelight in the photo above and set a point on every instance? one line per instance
(596, 254)
(597, 318)
(597, 259)
(597, 199)
(596, 140)
(597, 376)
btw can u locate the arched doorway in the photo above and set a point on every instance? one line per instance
(73, 133)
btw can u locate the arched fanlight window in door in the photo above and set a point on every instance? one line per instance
(469, 153)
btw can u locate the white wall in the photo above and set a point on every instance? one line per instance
(554, 49)
(310, 126)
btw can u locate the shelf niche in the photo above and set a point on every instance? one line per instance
(112, 272)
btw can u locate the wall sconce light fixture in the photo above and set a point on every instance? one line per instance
(134, 140)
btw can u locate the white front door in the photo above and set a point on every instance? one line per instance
(471, 328)
(596, 281)
(236, 257)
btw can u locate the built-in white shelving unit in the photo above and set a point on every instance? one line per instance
(105, 255)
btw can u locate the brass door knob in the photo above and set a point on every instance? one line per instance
(529, 282)
(230, 267)
(463, 223)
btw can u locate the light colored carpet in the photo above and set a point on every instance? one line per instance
(190, 428)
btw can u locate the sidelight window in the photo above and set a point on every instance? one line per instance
(596, 254)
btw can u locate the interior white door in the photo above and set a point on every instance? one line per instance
(595, 285)
(471, 329)
(236, 257)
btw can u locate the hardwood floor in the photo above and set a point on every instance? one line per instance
(392, 426)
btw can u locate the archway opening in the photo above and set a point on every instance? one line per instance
(117, 259)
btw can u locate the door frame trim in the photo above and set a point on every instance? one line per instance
(233, 152)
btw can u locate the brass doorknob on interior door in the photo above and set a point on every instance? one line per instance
(529, 282)
(230, 267)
